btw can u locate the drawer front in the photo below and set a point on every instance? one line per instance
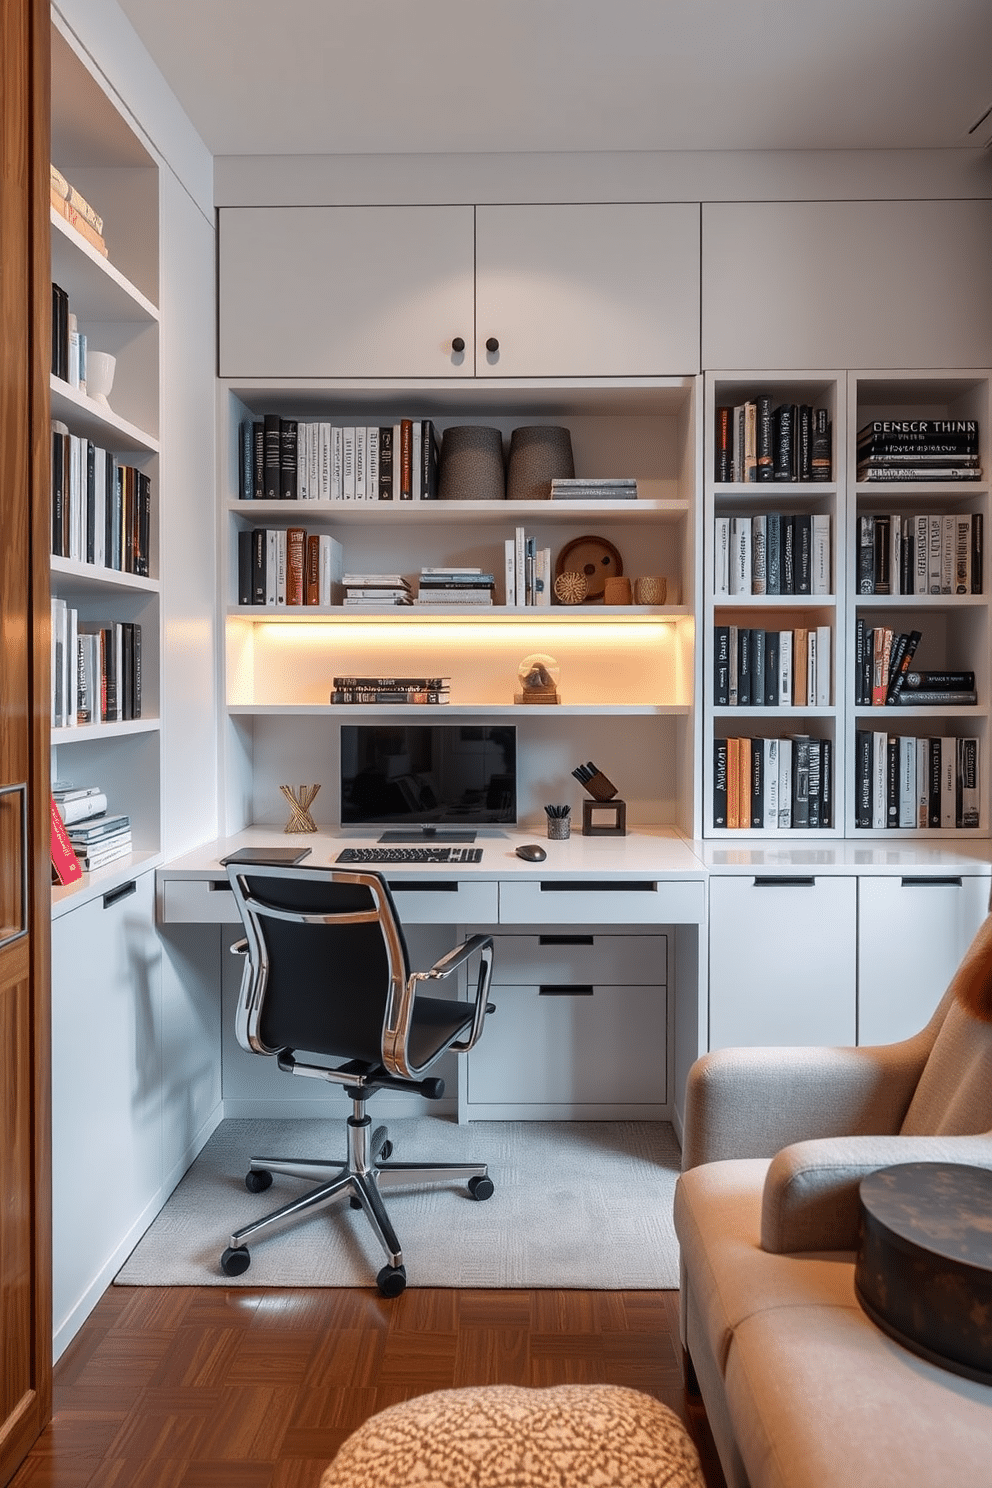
(611, 902)
(448, 901)
(605, 1044)
(197, 901)
(581, 956)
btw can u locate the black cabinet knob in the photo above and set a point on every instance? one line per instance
(492, 344)
(458, 344)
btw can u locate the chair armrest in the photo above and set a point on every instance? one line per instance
(482, 945)
(810, 1197)
(750, 1102)
(240, 947)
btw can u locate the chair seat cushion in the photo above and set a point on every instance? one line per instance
(492, 1436)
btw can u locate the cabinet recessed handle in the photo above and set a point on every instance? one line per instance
(927, 881)
(458, 344)
(785, 882)
(492, 344)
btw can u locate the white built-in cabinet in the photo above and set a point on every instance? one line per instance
(460, 291)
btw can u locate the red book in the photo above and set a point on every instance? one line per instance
(312, 595)
(65, 864)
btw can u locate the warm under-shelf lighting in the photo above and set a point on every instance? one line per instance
(635, 630)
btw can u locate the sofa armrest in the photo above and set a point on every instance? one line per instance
(750, 1102)
(810, 1196)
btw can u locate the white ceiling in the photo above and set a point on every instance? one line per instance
(264, 77)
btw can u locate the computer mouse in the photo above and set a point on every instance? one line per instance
(531, 852)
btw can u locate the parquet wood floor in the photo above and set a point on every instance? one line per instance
(215, 1387)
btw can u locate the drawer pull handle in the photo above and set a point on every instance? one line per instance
(557, 940)
(425, 886)
(575, 990)
(220, 886)
(796, 882)
(599, 886)
(114, 896)
(923, 881)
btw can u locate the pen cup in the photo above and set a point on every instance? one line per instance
(559, 827)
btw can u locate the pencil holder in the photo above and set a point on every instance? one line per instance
(559, 827)
(601, 788)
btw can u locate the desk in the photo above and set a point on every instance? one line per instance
(620, 888)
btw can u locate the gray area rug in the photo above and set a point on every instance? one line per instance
(583, 1204)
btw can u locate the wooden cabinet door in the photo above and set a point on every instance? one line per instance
(25, 862)
(588, 290)
(782, 960)
(913, 931)
(345, 291)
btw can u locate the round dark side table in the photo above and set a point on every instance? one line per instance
(924, 1264)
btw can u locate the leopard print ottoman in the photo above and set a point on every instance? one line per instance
(509, 1436)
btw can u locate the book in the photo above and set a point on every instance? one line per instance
(899, 669)
(759, 553)
(296, 548)
(724, 461)
(773, 553)
(769, 819)
(785, 468)
(936, 698)
(272, 445)
(719, 782)
(721, 556)
(940, 681)
(66, 868)
(757, 799)
(764, 439)
(274, 856)
(740, 555)
(968, 805)
(820, 564)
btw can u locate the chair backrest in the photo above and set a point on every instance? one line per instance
(953, 1096)
(325, 956)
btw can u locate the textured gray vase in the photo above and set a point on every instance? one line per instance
(539, 454)
(472, 464)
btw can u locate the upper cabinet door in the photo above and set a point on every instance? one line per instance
(587, 291)
(846, 284)
(346, 291)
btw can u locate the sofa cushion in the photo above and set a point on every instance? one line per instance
(819, 1395)
(718, 1223)
(954, 1093)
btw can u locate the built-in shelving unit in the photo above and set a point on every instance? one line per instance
(634, 663)
(115, 302)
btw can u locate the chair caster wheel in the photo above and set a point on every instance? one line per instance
(391, 1280)
(386, 1151)
(235, 1262)
(257, 1180)
(481, 1188)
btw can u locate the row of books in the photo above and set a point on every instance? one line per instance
(68, 342)
(77, 211)
(884, 675)
(528, 577)
(773, 784)
(96, 669)
(391, 690)
(370, 591)
(771, 668)
(918, 450)
(289, 566)
(930, 553)
(902, 781)
(772, 553)
(84, 836)
(758, 441)
(593, 488)
(285, 459)
(101, 509)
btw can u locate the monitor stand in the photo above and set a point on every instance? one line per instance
(426, 833)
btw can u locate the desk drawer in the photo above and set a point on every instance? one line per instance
(605, 1045)
(198, 901)
(445, 901)
(581, 956)
(620, 902)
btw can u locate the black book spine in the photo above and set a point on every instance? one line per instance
(804, 443)
(933, 793)
(803, 543)
(245, 561)
(757, 782)
(859, 662)
(246, 461)
(288, 431)
(800, 781)
(880, 563)
(758, 640)
(723, 448)
(815, 747)
(144, 523)
(771, 668)
(127, 670)
(862, 781)
(764, 439)
(788, 555)
(821, 459)
(58, 490)
(785, 442)
(136, 671)
(258, 446)
(90, 501)
(892, 781)
(826, 783)
(721, 666)
(259, 548)
(977, 552)
(386, 457)
(896, 653)
(900, 671)
(271, 437)
(743, 667)
(907, 550)
(719, 782)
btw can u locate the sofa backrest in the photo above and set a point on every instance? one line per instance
(954, 1093)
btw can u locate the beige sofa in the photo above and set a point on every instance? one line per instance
(799, 1386)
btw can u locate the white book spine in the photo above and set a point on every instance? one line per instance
(302, 462)
(948, 781)
(271, 566)
(770, 804)
(372, 463)
(823, 652)
(879, 763)
(784, 668)
(947, 545)
(821, 554)
(895, 552)
(785, 782)
(361, 462)
(907, 781)
(348, 463)
(324, 461)
(510, 572)
(721, 556)
(921, 561)
(759, 554)
(935, 541)
(812, 661)
(740, 555)
(922, 782)
(71, 667)
(337, 463)
(962, 553)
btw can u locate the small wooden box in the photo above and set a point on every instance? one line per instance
(604, 818)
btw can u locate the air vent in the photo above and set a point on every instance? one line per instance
(980, 132)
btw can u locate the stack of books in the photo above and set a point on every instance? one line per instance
(460, 585)
(594, 490)
(919, 450)
(97, 839)
(391, 690)
(73, 206)
(371, 591)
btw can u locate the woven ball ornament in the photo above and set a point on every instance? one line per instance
(570, 587)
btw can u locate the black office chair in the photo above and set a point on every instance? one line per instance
(326, 973)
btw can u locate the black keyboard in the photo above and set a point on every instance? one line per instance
(409, 855)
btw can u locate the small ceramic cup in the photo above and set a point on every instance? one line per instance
(616, 590)
(100, 369)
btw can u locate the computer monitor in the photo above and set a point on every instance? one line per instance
(430, 781)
